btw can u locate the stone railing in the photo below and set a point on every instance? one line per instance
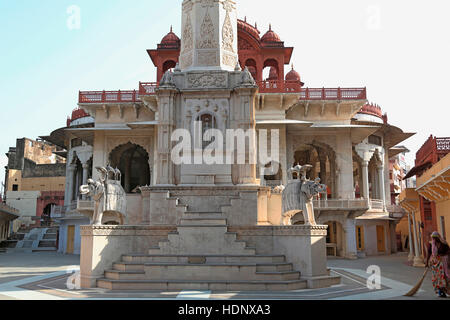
(333, 204)
(376, 204)
(61, 211)
(85, 205)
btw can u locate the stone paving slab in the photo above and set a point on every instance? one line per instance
(39, 276)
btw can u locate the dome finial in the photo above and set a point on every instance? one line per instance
(270, 27)
(245, 19)
(256, 25)
(171, 29)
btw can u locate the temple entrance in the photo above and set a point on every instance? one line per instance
(132, 161)
(45, 217)
(322, 158)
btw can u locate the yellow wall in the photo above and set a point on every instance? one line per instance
(43, 184)
(403, 229)
(443, 210)
(14, 177)
(35, 184)
(434, 170)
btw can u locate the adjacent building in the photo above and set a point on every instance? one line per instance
(34, 181)
(78, 168)
(428, 203)
(7, 216)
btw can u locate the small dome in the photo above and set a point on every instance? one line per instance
(170, 39)
(293, 75)
(270, 36)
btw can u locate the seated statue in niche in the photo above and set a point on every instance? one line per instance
(298, 196)
(108, 195)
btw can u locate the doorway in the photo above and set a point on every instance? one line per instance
(381, 244)
(70, 239)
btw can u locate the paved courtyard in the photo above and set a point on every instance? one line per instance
(44, 276)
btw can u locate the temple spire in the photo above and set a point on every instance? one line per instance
(209, 35)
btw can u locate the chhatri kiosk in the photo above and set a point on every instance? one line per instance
(218, 226)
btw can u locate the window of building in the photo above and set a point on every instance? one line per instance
(376, 140)
(427, 212)
(15, 187)
(360, 237)
(208, 122)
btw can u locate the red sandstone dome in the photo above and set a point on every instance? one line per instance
(270, 36)
(171, 39)
(293, 75)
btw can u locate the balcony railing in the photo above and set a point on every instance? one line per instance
(376, 204)
(61, 211)
(85, 205)
(108, 96)
(147, 88)
(432, 149)
(333, 94)
(341, 204)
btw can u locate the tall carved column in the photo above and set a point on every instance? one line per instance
(350, 238)
(410, 239)
(85, 176)
(71, 180)
(244, 115)
(382, 193)
(166, 124)
(365, 178)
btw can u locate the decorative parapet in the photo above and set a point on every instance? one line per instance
(432, 150)
(297, 230)
(126, 230)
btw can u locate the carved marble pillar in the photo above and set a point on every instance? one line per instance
(350, 238)
(244, 115)
(166, 123)
(71, 181)
(85, 176)
(365, 178)
(382, 193)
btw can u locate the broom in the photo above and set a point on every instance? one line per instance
(416, 288)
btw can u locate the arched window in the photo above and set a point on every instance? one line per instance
(46, 215)
(208, 121)
(169, 64)
(132, 161)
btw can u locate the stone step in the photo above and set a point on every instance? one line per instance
(45, 249)
(124, 275)
(257, 259)
(202, 285)
(203, 221)
(157, 271)
(154, 250)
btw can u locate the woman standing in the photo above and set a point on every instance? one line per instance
(437, 260)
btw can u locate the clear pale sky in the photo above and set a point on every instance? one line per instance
(398, 49)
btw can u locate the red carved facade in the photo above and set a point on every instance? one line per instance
(255, 52)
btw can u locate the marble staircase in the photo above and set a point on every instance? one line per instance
(202, 255)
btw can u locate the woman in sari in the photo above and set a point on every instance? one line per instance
(437, 261)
